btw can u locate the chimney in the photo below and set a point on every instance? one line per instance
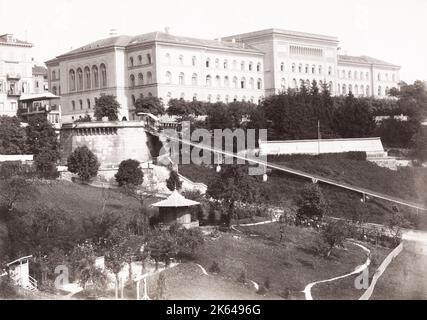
(167, 30)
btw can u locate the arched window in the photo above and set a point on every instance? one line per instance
(139, 59)
(294, 83)
(250, 66)
(259, 84)
(235, 83)
(283, 84)
(88, 103)
(103, 75)
(181, 79)
(53, 75)
(355, 75)
(81, 104)
(386, 90)
(350, 88)
(194, 79)
(209, 97)
(167, 58)
(300, 68)
(208, 62)
(243, 83)
(217, 63)
(234, 64)
(313, 69)
(242, 65)
(95, 76)
(149, 77)
(168, 77)
(362, 90)
(320, 69)
(367, 90)
(282, 66)
(218, 98)
(193, 61)
(87, 77)
(208, 81)
(132, 81)
(133, 100)
(344, 89)
(306, 68)
(225, 64)
(226, 82)
(258, 67)
(343, 74)
(131, 61)
(140, 79)
(380, 91)
(330, 71)
(235, 99)
(293, 67)
(73, 105)
(252, 83)
(181, 59)
(54, 90)
(356, 90)
(227, 98)
(386, 77)
(330, 85)
(217, 81)
(349, 74)
(72, 80)
(148, 58)
(141, 96)
(195, 97)
(150, 94)
(79, 79)
(361, 75)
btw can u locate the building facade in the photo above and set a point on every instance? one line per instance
(18, 74)
(244, 67)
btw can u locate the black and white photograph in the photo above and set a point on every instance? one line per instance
(230, 151)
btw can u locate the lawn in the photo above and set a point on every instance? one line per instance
(405, 278)
(280, 188)
(289, 266)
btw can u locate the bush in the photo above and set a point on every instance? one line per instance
(173, 182)
(214, 268)
(242, 277)
(7, 288)
(83, 162)
(129, 173)
(334, 234)
(311, 204)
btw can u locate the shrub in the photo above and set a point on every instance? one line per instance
(242, 277)
(214, 268)
(334, 234)
(311, 204)
(84, 163)
(7, 288)
(129, 173)
(173, 182)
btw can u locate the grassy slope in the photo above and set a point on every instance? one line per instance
(289, 265)
(409, 183)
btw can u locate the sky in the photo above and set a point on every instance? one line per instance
(390, 30)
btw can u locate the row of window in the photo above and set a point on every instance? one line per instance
(313, 69)
(361, 90)
(296, 84)
(306, 51)
(360, 75)
(140, 60)
(148, 79)
(80, 104)
(218, 98)
(217, 63)
(87, 78)
(141, 95)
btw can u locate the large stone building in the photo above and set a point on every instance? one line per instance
(246, 67)
(18, 74)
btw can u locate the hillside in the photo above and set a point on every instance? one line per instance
(280, 188)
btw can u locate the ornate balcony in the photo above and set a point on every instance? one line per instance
(13, 93)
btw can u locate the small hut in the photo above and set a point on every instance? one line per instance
(176, 209)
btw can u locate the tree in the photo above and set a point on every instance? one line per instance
(311, 203)
(129, 174)
(334, 235)
(107, 106)
(83, 162)
(151, 105)
(233, 184)
(161, 246)
(188, 240)
(115, 260)
(419, 145)
(12, 136)
(42, 142)
(173, 182)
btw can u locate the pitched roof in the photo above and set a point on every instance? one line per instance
(39, 70)
(175, 200)
(4, 40)
(124, 41)
(363, 60)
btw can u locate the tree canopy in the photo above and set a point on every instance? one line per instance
(83, 162)
(12, 136)
(107, 106)
(151, 105)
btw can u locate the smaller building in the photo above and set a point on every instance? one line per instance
(177, 209)
(41, 103)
